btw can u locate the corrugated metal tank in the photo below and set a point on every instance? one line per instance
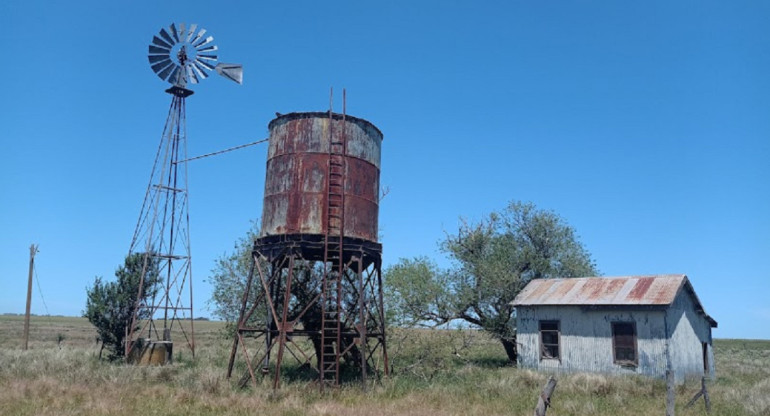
(296, 178)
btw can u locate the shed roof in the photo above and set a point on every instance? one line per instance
(655, 290)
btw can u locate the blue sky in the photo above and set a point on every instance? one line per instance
(646, 125)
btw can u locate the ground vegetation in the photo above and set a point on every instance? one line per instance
(435, 372)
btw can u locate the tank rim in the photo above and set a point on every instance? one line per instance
(320, 114)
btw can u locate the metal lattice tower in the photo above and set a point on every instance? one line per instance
(162, 234)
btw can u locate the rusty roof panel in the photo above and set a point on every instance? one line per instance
(640, 288)
(656, 290)
(626, 290)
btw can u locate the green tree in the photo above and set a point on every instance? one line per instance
(110, 306)
(228, 279)
(492, 261)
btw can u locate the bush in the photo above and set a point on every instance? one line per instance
(110, 306)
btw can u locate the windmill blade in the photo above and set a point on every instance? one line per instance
(233, 72)
(191, 32)
(173, 77)
(156, 50)
(158, 41)
(164, 73)
(190, 74)
(160, 66)
(204, 64)
(174, 34)
(212, 58)
(200, 71)
(211, 48)
(157, 58)
(165, 36)
(198, 36)
(181, 32)
(204, 42)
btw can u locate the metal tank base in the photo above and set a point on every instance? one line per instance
(272, 340)
(311, 247)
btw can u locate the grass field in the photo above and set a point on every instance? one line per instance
(435, 373)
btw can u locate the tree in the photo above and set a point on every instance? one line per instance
(492, 261)
(228, 279)
(110, 306)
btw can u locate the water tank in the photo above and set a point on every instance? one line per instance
(296, 178)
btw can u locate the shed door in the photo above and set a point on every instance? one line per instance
(705, 357)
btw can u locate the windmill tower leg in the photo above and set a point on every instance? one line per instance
(162, 238)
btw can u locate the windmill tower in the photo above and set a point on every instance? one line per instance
(178, 55)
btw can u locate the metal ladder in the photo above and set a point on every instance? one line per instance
(331, 322)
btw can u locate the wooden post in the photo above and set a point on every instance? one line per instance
(670, 393)
(703, 392)
(32, 252)
(545, 397)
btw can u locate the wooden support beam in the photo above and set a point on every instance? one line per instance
(703, 392)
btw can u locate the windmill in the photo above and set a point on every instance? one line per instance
(178, 55)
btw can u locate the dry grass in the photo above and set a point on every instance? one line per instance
(435, 373)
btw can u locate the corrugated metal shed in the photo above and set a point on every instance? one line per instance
(655, 290)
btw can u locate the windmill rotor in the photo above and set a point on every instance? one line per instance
(181, 55)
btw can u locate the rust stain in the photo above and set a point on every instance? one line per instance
(564, 288)
(295, 199)
(640, 288)
(592, 290)
(614, 286)
(540, 289)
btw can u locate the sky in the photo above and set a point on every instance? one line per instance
(644, 125)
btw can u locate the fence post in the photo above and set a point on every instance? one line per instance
(670, 393)
(545, 397)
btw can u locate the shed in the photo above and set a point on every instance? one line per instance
(621, 325)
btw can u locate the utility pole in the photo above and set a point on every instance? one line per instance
(32, 252)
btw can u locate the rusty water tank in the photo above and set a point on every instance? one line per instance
(296, 177)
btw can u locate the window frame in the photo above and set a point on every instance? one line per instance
(543, 344)
(635, 345)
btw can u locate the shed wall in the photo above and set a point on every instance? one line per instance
(688, 329)
(586, 339)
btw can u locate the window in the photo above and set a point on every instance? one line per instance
(549, 339)
(705, 357)
(624, 343)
